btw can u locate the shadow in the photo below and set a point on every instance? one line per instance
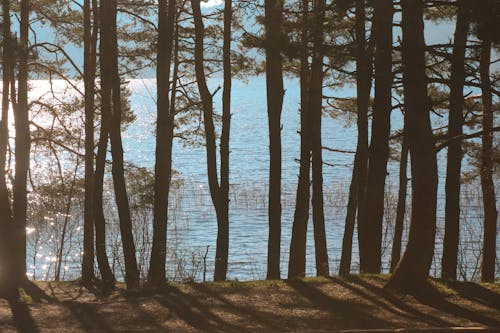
(353, 314)
(144, 314)
(476, 293)
(262, 318)
(88, 317)
(22, 316)
(378, 294)
(35, 292)
(193, 312)
(431, 296)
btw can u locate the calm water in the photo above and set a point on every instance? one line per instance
(192, 223)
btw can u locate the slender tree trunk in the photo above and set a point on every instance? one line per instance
(413, 269)
(22, 142)
(164, 140)
(297, 261)
(111, 101)
(401, 208)
(370, 227)
(316, 109)
(487, 185)
(89, 60)
(454, 159)
(359, 174)
(218, 194)
(275, 93)
(7, 281)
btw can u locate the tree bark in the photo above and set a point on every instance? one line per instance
(111, 100)
(218, 193)
(22, 142)
(401, 208)
(370, 227)
(164, 141)
(413, 269)
(297, 260)
(454, 158)
(487, 184)
(275, 93)
(359, 174)
(89, 70)
(316, 109)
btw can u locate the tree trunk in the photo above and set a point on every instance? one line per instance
(275, 92)
(454, 159)
(316, 109)
(164, 140)
(370, 227)
(359, 174)
(219, 195)
(413, 268)
(297, 260)
(401, 208)
(111, 101)
(487, 184)
(89, 70)
(22, 142)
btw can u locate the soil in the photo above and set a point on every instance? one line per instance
(309, 305)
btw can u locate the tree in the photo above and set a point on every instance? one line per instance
(112, 108)
(357, 189)
(297, 261)
(89, 70)
(164, 141)
(315, 103)
(454, 158)
(219, 193)
(370, 223)
(275, 93)
(413, 269)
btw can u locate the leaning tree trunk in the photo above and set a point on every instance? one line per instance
(164, 141)
(89, 69)
(297, 260)
(413, 269)
(454, 159)
(22, 150)
(275, 92)
(487, 184)
(218, 193)
(316, 110)
(111, 100)
(358, 183)
(370, 227)
(401, 208)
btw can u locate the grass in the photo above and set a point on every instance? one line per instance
(311, 304)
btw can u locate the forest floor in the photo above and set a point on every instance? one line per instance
(309, 305)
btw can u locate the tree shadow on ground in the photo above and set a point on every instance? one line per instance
(22, 316)
(386, 300)
(431, 296)
(89, 318)
(344, 313)
(475, 293)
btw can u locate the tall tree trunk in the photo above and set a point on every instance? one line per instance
(487, 185)
(275, 93)
(454, 159)
(164, 140)
(359, 174)
(316, 109)
(98, 182)
(297, 260)
(413, 269)
(111, 101)
(370, 227)
(7, 281)
(219, 195)
(22, 142)
(89, 70)
(401, 208)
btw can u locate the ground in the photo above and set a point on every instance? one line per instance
(310, 305)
